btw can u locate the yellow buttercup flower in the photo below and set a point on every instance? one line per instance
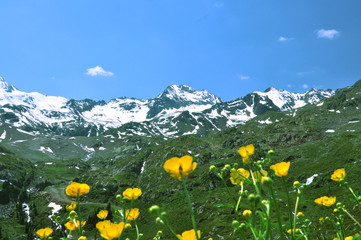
(77, 189)
(109, 230)
(180, 167)
(133, 214)
(72, 225)
(321, 220)
(82, 238)
(102, 214)
(349, 238)
(289, 231)
(258, 176)
(245, 152)
(189, 235)
(300, 214)
(338, 175)
(44, 233)
(132, 193)
(247, 214)
(239, 176)
(325, 201)
(71, 207)
(281, 169)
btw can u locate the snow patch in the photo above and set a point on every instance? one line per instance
(310, 179)
(26, 209)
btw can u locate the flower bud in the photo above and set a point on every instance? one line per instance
(127, 226)
(338, 204)
(73, 214)
(227, 167)
(235, 224)
(265, 202)
(266, 181)
(235, 165)
(158, 220)
(212, 169)
(251, 197)
(119, 197)
(242, 225)
(154, 209)
(140, 235)
(159, 233)
(296, 184)
(271, 152)
(335, 210)
(163, 214)
(247, 214)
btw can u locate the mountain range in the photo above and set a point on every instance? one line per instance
(179, 110)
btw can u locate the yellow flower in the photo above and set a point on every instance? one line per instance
(321, 220)
(238, 177)
(102, 214)
(289, 231)
(71, 207)
(72, 225)
(189, 235)
(245, 152)
(300, 214)
(247, 214)
(82, 238)
(77, 189)
(180, 167)
(281, 169)
(258, 177)
(338, 175)
(325, 201)
(349, 238)
(132, 193)
(109, 230)
(133, 214)
(44, 233)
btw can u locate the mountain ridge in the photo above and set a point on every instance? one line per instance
(178, 110)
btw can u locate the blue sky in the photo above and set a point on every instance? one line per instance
(107, 49)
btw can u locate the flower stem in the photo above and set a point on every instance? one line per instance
(190, 208)
(294, 217)
(136, 228)
(289, 206)
(277, 213)
(354, 195)
(169, 228)
(351, 217)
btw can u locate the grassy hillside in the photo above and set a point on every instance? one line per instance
(316, 139)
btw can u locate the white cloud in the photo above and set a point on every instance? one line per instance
(243, 77)
(218, 4)
(329, 34)
(304, 86)
(284, 39)
(98, 71)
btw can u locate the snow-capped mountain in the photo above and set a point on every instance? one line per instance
(177, 111)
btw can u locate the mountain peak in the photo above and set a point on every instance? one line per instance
(186, 93)
(6, 86)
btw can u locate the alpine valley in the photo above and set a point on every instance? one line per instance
(46, 142)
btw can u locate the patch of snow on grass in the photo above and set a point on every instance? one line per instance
(353, 121)
(310, 179)
(3, 135)
(26, 209)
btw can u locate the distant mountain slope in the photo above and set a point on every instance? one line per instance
(179, 110)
